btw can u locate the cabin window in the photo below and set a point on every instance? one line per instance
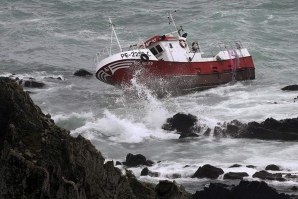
(154, 51)
(171, 46)
(159, 49)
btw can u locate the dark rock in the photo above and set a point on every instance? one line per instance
(186, 166)
(245, 190)
(175, 175)
(264, 175)
(235, 175)
(147, 172)
(251, 166)
(183, 124)
(214, 191)
(270, 129)
(137, 160)
(82, 73)
(235, 166)
(118, 163)
(41, 160)
(33, 84)
(169, 190)
(208, 171)
(291, 176)
(207, 132)
(272, 167)
(294, 188)
(290, 88)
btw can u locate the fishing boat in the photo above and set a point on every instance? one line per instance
(168, 63)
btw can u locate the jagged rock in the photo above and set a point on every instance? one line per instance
(270, 129)
(147, 172)
(207, 132)
(235, 166)
(184, 124)
(82, 73)
(290, 88)
(208, 171)
(169, 190)
(245, 190)
(235, 175)
(137, 160)
(272, 167)
(264, 175)
(41, 160)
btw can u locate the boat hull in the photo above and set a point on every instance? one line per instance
(177, 77)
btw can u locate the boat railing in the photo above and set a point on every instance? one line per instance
(223, 46)
(105, 52)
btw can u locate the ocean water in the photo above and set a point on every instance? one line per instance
(54, 38)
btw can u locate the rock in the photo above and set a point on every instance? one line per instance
(147, 172)
(290, 88)
(208, 171)
(235, 175)
(245, 190)
(118, 163)
(169, 190)
(82, 73)
(235, 166)
(137, 160)
(270, 129)
(264, 175)
(272, 167)
(183, 124)
(41, 160)
(251, 166)
(294, 188)
(33, 84)
(207, 132)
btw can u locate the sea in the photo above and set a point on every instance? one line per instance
(46, 39)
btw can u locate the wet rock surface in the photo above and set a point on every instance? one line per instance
(272, 167)
(82, 73)
(264, 175)
(235, 175)
(137, 160)
(245, 190)
(208, 171)
(290, 88)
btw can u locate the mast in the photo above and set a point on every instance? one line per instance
(171, 20)
(113, 31)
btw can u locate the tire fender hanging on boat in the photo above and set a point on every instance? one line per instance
(144, 57)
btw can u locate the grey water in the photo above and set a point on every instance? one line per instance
(54, 38)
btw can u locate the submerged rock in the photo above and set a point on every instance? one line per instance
(208, 171)
(235, 175)
(82, 73)
(290, 88)
(33, 84)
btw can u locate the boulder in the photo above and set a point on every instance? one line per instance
(32, 84)
(235, 166)
(137, 160)
(170, 190)
(264, 175)
(82, 73)
(251, 166)
(272, 167)
(235, 175)
(215, 190)
(184, 124)
(147, 172)
(208, 171)
(290, 88)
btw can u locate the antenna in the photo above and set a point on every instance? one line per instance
(113, 31)
(171, 20)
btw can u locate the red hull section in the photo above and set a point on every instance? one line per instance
(178, 76)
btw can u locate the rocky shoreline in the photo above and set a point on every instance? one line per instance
(42, 160)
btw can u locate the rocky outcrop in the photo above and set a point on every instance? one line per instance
(270, 129)
(245, 190)
(235, 175)
(264, 175)
(208, 171)
(184, 124)
(272, 167)
(40, 160)
(290, 88)
(170, 190)
(137, 160)
(82, 73)
(147, 172)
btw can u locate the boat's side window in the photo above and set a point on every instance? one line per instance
(159, 49)
(171, 46)
(154, 51)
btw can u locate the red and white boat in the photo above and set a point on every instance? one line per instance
(167, 63)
